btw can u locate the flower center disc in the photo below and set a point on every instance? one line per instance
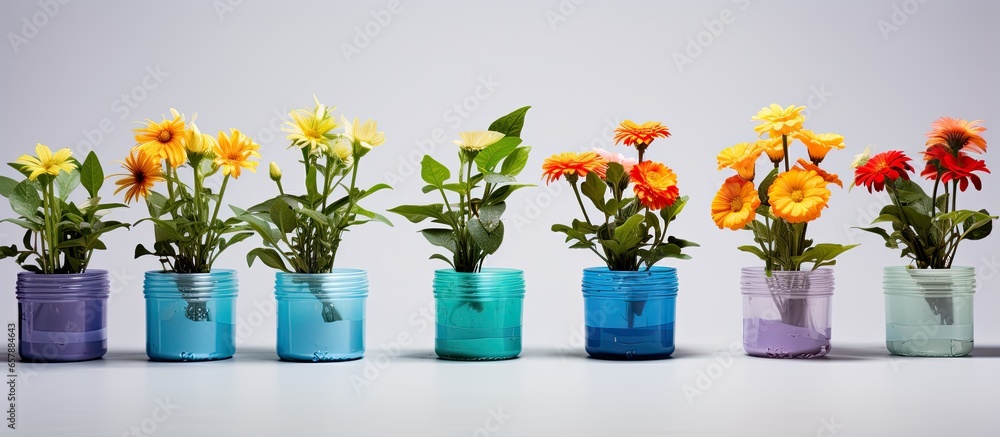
(736, 205)
(164, 136)
(797, 196)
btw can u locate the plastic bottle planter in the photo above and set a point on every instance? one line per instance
(928, 313)
(786, 315)
(63, 317)
(629, 315)
(189, 317)
(321, 317)
(478, 314)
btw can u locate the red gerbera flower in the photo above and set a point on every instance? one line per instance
(891, 166)
(951, 167)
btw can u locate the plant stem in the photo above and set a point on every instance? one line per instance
(579, 200)
(784, 147)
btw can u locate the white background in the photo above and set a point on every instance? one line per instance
(877, 72)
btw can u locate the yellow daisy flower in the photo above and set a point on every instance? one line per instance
(46, 162)
(777, 121)
(164, 139)
(233, 153)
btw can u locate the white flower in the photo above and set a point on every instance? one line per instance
(478, 140)
(627, 163)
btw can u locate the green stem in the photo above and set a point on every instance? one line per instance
(579, 200)
(784, 147)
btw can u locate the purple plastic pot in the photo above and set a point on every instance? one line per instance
(63, 317)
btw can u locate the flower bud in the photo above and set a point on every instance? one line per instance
(275, 172)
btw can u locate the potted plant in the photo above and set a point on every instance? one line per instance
(928, 304)
(61, 301)
(478, 308)
(190, 307)
(321, 309)
(786, 307)
(629, 303)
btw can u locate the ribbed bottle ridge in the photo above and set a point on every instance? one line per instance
(929, 282)
(218, 283)
(791, 284)
(63, 287)
(655, 282)
(339, 283)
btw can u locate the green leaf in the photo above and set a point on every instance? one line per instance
(671, 212)
(371, 215)
(497, 178)
(628, 234)
(595, 189)
(258, 225)
(141, 251)
(25, 201)
(24, 224)
(683, 244)
(92, 175)
(66, 183)
(489, 157)
(510, 124)
(979, 230)
(822, 254)
(433, 172)
(489, 215)
(284, 217)
(442, 258)
(315, 216)
(765, 184)
(887, 218)
(419, 213)
(504, 191)
(488, 241)
(442, 238)
(374, 189)
(269, 257)
(754, 250)
(516, 161)
(7, 186)
(615, 174)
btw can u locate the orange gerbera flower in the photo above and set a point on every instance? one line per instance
(819, 145)
(573, 165)
(164, 139)
(957, 134)
(631, 133)
(828, 177)
(144, 171)
(798, 195)
(735, 204)
(655, 184)
(742, 157)
(233, 153)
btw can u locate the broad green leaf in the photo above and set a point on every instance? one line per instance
(514, 163)
(489, 215)
(141, 251)
(25, 200)
(371, 215)
(92, 174)
(66, 183)
(510, 124)
(419, 213)
(376, 188)
(284, 217)
(887, 218)
(24, 224)
(442, 238)
(683, 244)
(258, 225)
(433, 172)
(615, 174)
(315, 216)
(7, 186)
(497, 178)
(671, 212)
(628, 234)
(822, 254)
(595, 189)
(489, 242)
(504, 191)
(489, 157)
(269, 257)
(981, 229)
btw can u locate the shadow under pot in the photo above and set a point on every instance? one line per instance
(478, 314)
(321, 316)
(63, 317)
(190, 316)
(629, 315)
(787, 314)
(928, 312)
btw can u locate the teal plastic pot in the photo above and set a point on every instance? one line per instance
(478, 314)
